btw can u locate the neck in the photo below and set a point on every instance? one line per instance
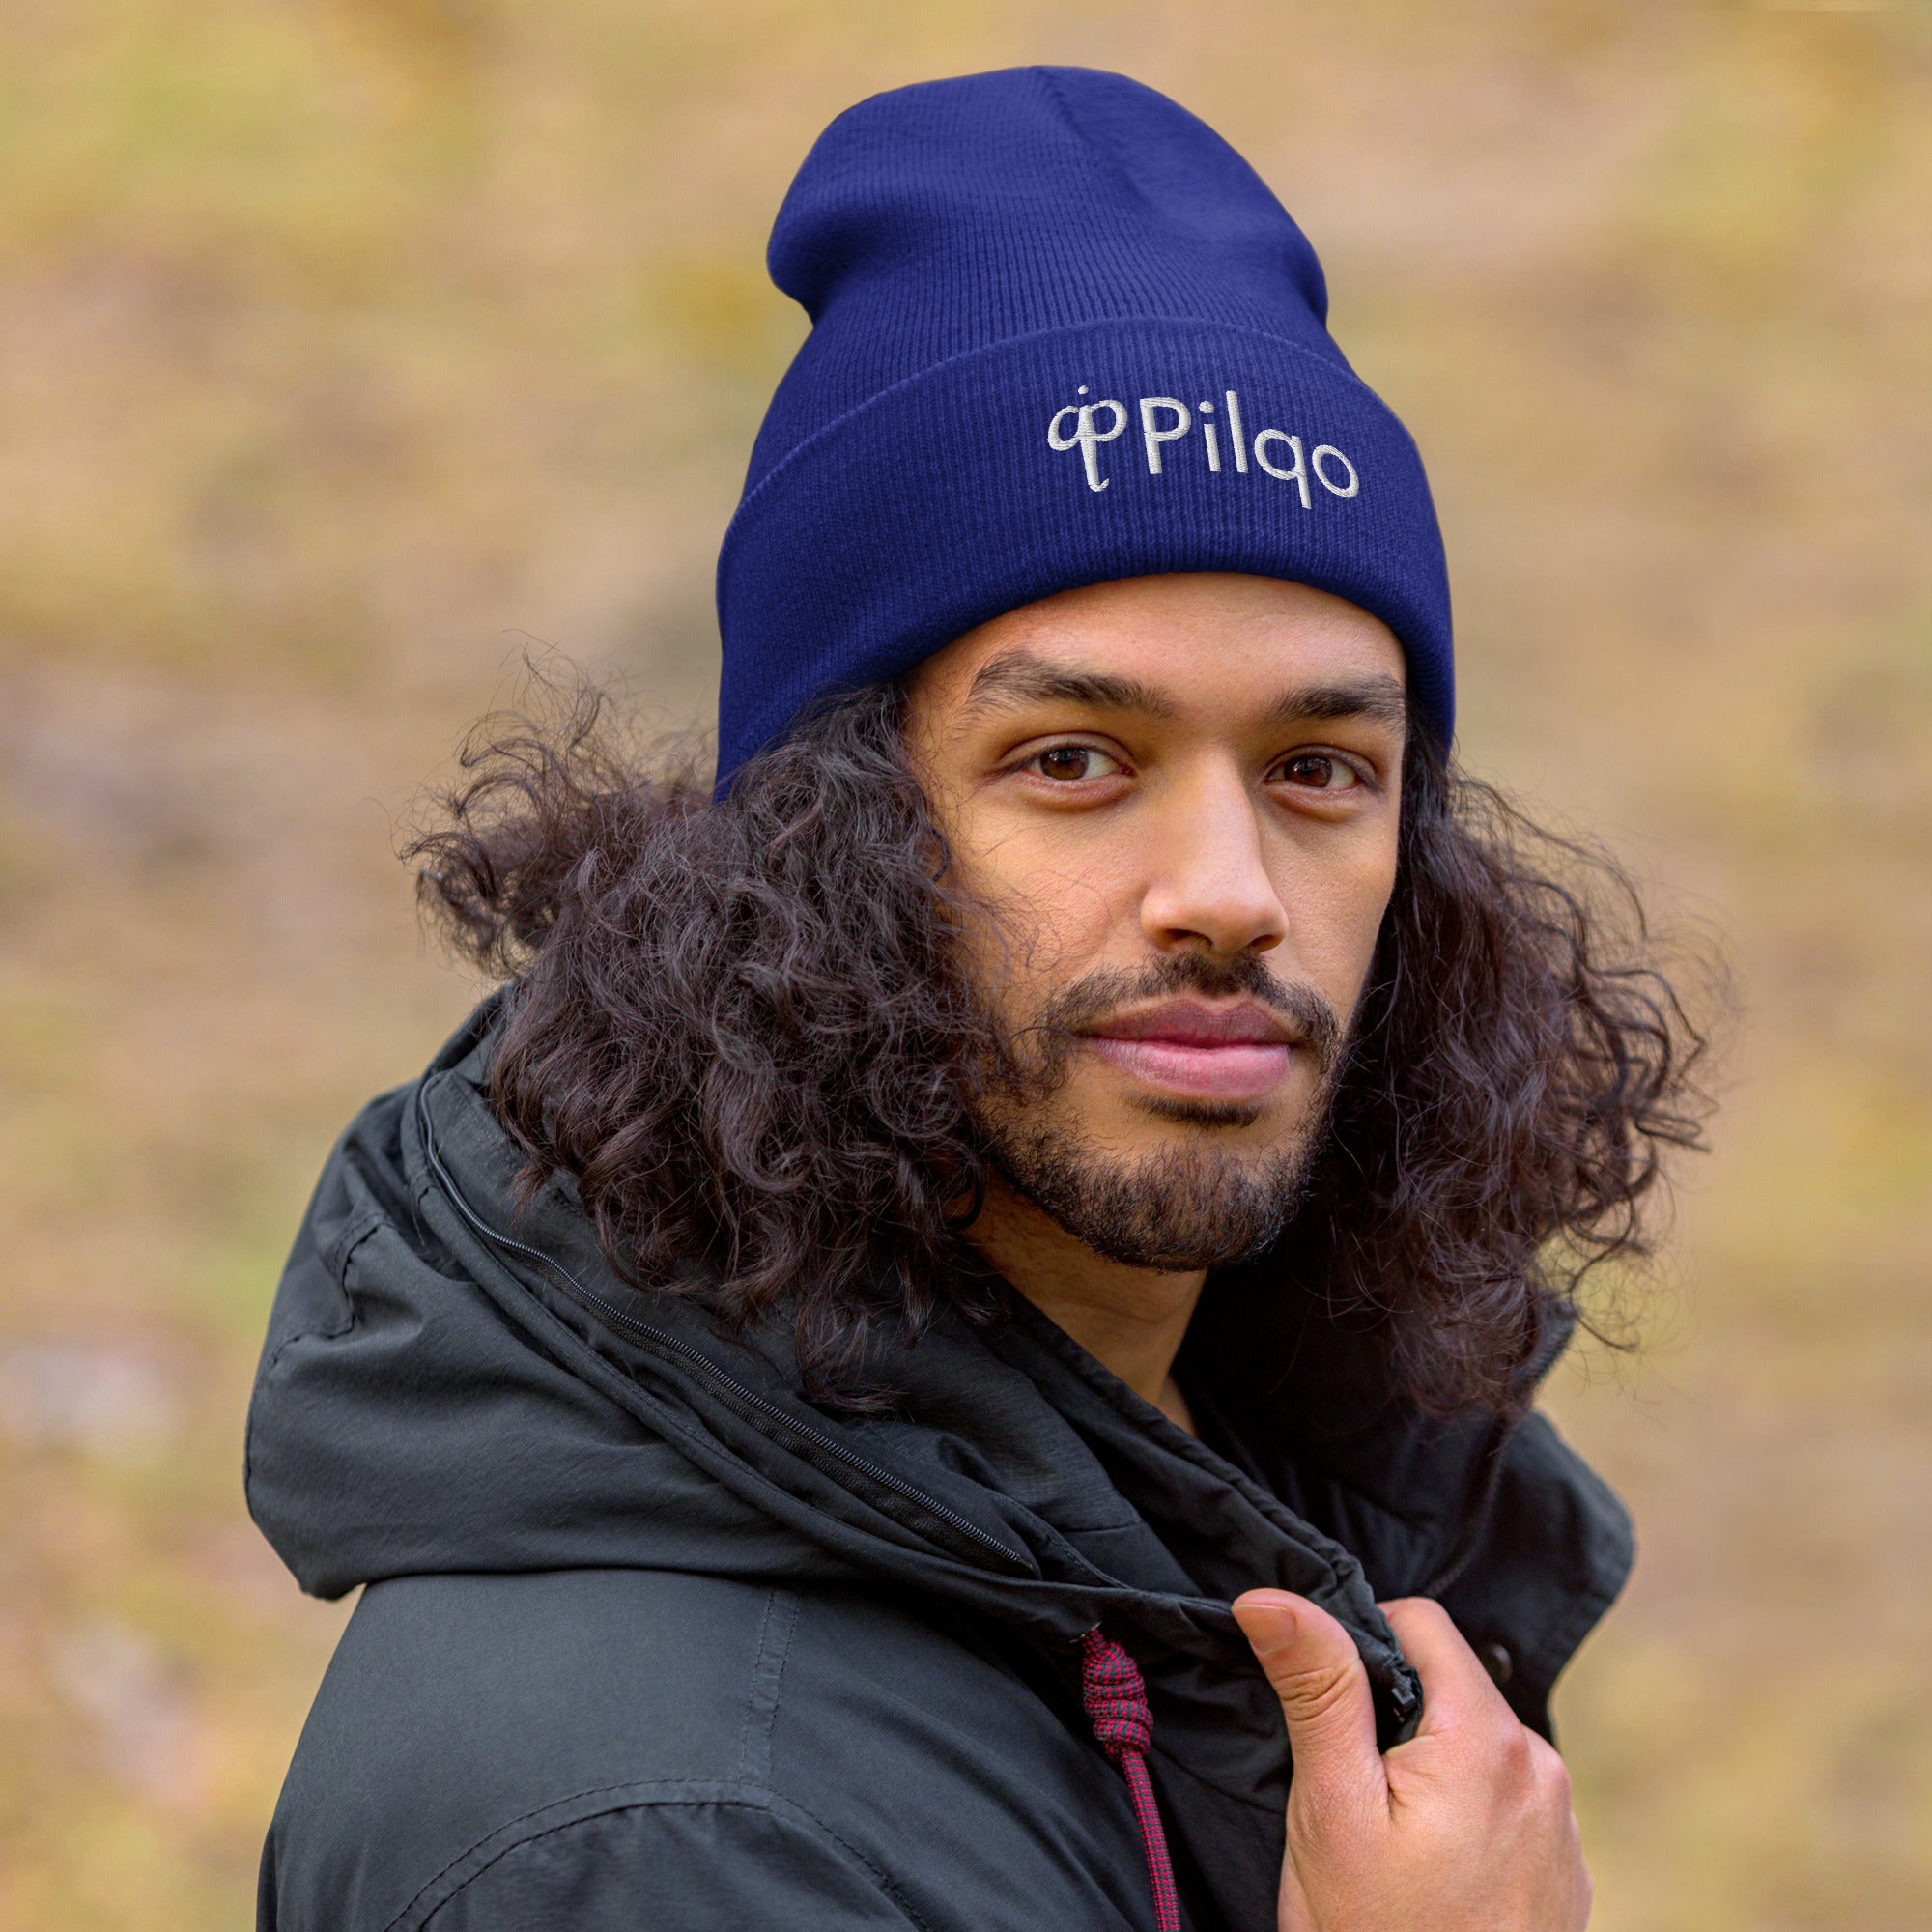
(1129, 1320)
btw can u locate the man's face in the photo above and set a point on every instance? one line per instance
(1178, 798)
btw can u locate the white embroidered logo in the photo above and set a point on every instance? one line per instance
(1167, 420)
(1086, 435)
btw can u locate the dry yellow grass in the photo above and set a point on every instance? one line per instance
(348, 346)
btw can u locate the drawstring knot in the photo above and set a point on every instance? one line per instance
(1116, 1697)
(1114, 1694)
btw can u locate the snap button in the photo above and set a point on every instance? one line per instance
(1497, 1661)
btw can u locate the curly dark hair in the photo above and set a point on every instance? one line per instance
(739, 1024)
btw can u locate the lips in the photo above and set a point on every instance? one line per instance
(1233, 1054)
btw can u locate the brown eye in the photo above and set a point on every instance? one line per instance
(1069, 763)
(1315, 771)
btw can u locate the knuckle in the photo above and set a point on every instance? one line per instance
(1548, 1770)
(1514, 1760)
(1310, 1695)
(1417, 1611)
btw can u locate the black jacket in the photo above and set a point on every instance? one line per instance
(647, 1641)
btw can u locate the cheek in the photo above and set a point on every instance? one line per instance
(1371, 911)
(1050, 916)
(1335, 919)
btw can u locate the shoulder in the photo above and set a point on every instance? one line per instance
(1555, 1548)
(648, 1746)
(475, 1730)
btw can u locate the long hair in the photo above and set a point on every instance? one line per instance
(740, 1025)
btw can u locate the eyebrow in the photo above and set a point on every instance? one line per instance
(1018, 678)
(1381, 698)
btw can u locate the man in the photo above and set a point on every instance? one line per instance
(880, 1381)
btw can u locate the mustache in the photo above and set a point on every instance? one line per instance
(1076, 1008)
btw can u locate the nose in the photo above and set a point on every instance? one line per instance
(1210, 883)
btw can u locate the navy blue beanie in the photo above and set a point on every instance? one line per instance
(1063, 334)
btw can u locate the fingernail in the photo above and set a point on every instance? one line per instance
(1274, 1611)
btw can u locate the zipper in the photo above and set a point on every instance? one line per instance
(663, 1338)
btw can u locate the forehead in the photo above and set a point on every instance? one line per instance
(1193, 639)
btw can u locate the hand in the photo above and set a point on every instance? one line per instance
(1466, 1827)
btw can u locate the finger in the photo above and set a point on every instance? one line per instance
(1456, 1688)
(1311, 1662)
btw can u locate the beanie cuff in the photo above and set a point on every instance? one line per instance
(1124, 448)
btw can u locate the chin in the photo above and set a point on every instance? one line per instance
(1144, 1118)
(1197, 1113)
(1232, 1135)
(1168, 1202)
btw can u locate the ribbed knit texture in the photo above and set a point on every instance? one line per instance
(1063, 334)
(1117, 1708)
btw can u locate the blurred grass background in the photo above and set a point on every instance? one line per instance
(348, 346)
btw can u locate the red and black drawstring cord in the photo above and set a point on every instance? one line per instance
(1115, 1696)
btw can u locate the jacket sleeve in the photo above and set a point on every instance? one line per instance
(735, 1864)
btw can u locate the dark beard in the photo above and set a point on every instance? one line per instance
(1188, 1206)
(1184, 1208)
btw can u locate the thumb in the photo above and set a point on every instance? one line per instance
(1311, 1662)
